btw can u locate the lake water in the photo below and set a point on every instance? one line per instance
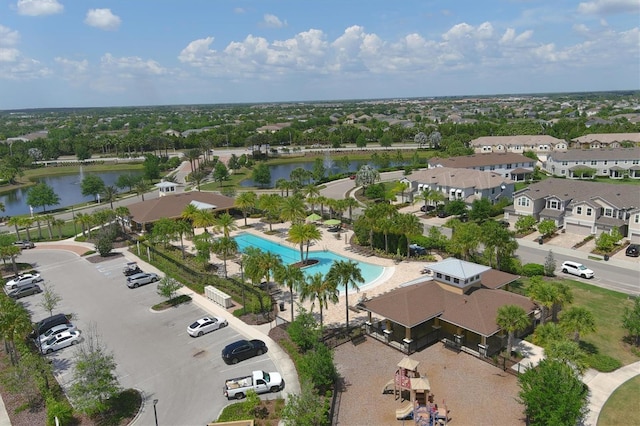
(283, 171)
(66, 186)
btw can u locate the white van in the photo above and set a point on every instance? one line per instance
(576, 268)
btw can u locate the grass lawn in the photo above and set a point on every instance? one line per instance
(607, 307)
(618, 410)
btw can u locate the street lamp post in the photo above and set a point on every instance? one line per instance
(155, 412)
(244, 303)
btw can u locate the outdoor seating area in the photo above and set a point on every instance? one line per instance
(362, 251)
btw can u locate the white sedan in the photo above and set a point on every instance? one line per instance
(60, 341)
(206, 325)
(22, 280)
(53, 331)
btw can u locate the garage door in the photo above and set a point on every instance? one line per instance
(578, 229)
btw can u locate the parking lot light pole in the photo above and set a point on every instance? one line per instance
(244, 303)
(155, 412)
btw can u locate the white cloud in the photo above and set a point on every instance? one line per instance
(609, 7)
(102, 19)
(39, 7)
(8, 37)
(131, 66)
(9, 54)
(73, 69)
(197, 53)
(272, 21)
(14, 66)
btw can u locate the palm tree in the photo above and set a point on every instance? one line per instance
(15, 221)
(565, 296)
(293, 209)
(141, 187)
(58, 223)
(182, 228)
(366, 176)
(85, 221)
(27, 223)
(269, 263)
(11, 252)
(49, 218)
(292, 277)
(410, 225)
(193, 155)
(512, 318)
(318, 288)
(38, 220)
(346, 273)
(225, 247)
(225, 223)
(110, 194)
(322, 200)
(547, 333)
(246, 201)
(544, 294)
(577, 320)
(15, 324)
(270, 204)
(203, 219)
(303, 234)
(122, 214)
(351, 203)
(310, 191)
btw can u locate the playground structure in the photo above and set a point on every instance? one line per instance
(408, 382)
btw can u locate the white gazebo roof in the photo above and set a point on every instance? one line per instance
(202, 206)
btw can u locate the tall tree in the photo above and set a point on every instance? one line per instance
(42, 195)
(92, 185)
(544, 293)
(304, 234)
(553, 394)
(317, 288)
(226, 224)
(292, 209)
(512, 318)
(578, 320)
(141, 187)
(246, 201)
(109, 195)
(347, 274)
(292, 277)
(270, 204)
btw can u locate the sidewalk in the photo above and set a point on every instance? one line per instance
(602, 385)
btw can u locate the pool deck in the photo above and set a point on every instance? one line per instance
(393, 276)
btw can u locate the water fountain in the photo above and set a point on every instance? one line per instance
(328, 162)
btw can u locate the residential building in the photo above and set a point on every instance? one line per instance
(514, 166)
(459, 303)
(604, 140)
(615, 163)
(540, 144)
(580, 207)
(460, 184)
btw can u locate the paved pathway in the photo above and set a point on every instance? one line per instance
(602, 385)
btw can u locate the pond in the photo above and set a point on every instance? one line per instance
(67, 187)
(333, 167)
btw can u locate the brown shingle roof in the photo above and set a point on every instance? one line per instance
(494, 279)
(171, 206)
(459, 178)
(415, 304)
(597, 154)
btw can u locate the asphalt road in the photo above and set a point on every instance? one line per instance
(152, 350)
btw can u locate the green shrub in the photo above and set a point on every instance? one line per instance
(58, 409)
(603, 363)
(532, 269)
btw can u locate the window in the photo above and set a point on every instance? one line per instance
(438, 275)
(523, 201)
(482, 169)
(594, 162)
(492, 168)
(447, 278)
(636, 218)
(457, 281)
(578, 210)
(589, 211)
(608, 212)
(553, 204)
(605, 162)
(563, 172)
(565, 163)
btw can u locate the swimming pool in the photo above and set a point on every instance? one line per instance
(289, 255)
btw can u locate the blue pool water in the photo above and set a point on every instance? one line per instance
(289, 255)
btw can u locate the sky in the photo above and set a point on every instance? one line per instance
(103, 53)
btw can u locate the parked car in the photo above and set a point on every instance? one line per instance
(416, 250)
(443, 213)
(53, 331)
(633, 250)
(206, 325)
(23, 279)
(48, 323)
(24, 291)
(143, 278)
(131, 268)
(243, 349)
(427, 208)
(576, 268)
(24, 244)
(60, 341)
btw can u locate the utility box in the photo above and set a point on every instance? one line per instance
(218, 296)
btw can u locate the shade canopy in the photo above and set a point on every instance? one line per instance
(332, 222)
(313, 217)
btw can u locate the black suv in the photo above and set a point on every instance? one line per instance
(633, 250)
(243, 349)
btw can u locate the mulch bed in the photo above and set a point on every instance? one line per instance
(97, 258)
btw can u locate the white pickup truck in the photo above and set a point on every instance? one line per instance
(259, 381)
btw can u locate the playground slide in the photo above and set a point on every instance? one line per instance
(405, 413)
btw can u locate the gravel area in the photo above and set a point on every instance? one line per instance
(474, 392)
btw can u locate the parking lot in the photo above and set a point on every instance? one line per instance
(152, 350)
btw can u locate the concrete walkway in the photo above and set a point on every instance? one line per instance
(602, 385)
